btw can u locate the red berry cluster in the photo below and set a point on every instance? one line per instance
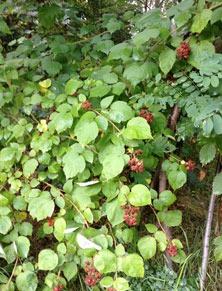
(92, 275)
(130, 214)
(172, 250)
(50, 221)
(112, 289)
(147, 115)
(75, 94)
(86, 105)
(183, 50)
(58, 288)
(138, 152)
(136, 165)
(190, 165)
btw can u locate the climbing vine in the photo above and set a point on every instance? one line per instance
(91, 127)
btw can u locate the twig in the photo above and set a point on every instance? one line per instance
(74, 139)
(12, 274)
(106, 119)
(163, 187)
(174, 117)
(206, 243)
(215, 6)
(66, 198)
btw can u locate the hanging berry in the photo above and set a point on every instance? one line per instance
(190, 166)
(183, 50)
(50, 221)
(86, 105)
(130, 214)
(146, 115)
(172, 250)
(92, 275)
(136, 165)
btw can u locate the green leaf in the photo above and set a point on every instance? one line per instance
(145, 36)
(160, 236)
(214, 81)
(72, 86)
(167, 197)
(113, 25)
(208, 126)
(47, 260)
(120, 111)
(47, 15)
(217, 184)
(167, 59)
(201, 20)
(25, 229)
(3, 200)
(105, 262)
(207, 153)
(217, 15)
(121, 284)
(60, 121)
(29, 167)
(139, 196)
(86, 128)
(177, 179)
(5, 224)
(182, 18)
(69, 270)
(23, 245)
(198, 49)
(27, 281)
(51, 67)
(137, 73)
(217, 123)
(114, 212)
(41, 207)
(147, 247)
(71, 169)
(105, 46)
(137, 128)
(120, 251)
(60, 225)
(106, 102)
(110, 78)
(106, 282)
(100, 91)
(173, 218)
(127, 235)
(133, 266)
(120, 51)
(113, 166)
(151, 227)
(118, 88)
(218, 253)
(4, 27)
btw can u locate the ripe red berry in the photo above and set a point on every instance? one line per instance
(86, 105)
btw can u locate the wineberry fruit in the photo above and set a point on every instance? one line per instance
(86, 105)
(172, 250)
(92, 275)
(183, 50)
(130, 214)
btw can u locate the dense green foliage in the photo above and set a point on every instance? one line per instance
(86, 119)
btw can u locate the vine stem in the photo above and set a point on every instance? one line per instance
(106, 119)
(74, 139)
(160, 223)
(12, 274)
(67, 199)
(206, 243)
(215, 6)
